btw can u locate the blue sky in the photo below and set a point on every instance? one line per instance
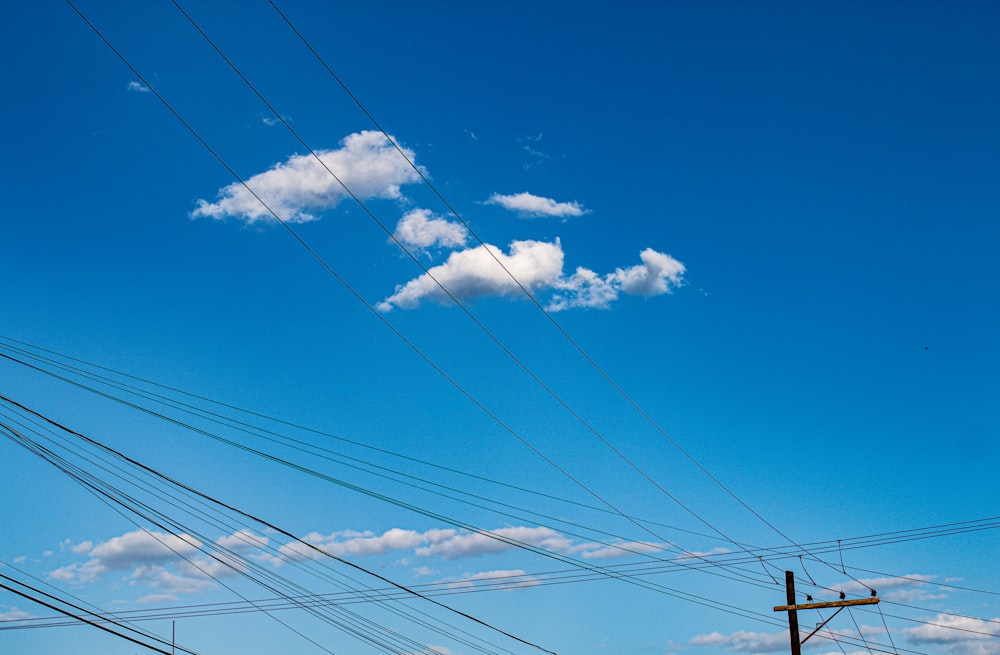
(773, 225)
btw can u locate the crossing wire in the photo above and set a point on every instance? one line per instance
(492, 415)
(415, 259)
(534, 301)
(933, 531)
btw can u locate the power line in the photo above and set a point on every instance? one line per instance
(816, 547)
(416, 260)
(534, 300)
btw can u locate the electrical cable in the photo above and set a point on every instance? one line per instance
(278, 116)
(534, 300)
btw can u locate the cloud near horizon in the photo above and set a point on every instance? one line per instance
(169, 564)
(299, 189)
(528, 205)
(959, 635)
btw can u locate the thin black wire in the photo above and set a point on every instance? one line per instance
(253, 430)
(466, 310)
(602, 570)
(286, 596)
(291, 424)
(212, 500)
(354, 292)
(79, 617)
(94, 611)
(817, 546)
(229, 554)
(887, 631)
(534, 300)
(397, 502)
(858, 628)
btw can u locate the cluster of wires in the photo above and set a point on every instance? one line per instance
(181, 516)
(147, 497)
(266, 437)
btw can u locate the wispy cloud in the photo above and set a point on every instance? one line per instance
(528, 205)
(13, 614)
(137, 87)
(743, 641)
(959, 635)
(299, 189)
(501, 580)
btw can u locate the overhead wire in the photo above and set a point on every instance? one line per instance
(606, 571)
(492, 336)
(534, 300)
(454, 383)
(230, 556)
(751, 617)
(82, 618)
(863, 541)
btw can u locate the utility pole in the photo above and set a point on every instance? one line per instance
(793, 615)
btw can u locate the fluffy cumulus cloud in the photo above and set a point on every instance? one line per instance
(140, 548)
(301, 187)
(658, 273)
(474, 273)
(420, 229)
(538, 266)
(959, 635)
(528, 205)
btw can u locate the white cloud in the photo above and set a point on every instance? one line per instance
(171, 564)
(473, 544)
(623, 549)
(132, 549)
(168, 582)
(503, 580)
(82, 547)
(960, 635)
(136, 87)
(349, 543)
(366, 163)
(475, 273)
(14, 614)
(243, 540)
(658, 273)
(142, 547)
(420, 229)
(529, 205)
(743, 641)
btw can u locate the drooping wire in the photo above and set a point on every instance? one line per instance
(655, 587)
(413, 257)
(534, 300)
(80, 617)
(886, 625)
(187, 489)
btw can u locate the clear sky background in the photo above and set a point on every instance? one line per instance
(773, 225)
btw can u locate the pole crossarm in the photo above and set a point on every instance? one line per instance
(816, 606)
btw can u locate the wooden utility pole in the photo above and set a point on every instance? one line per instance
(793, 616)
